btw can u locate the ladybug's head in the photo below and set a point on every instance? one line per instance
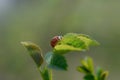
(55, 40)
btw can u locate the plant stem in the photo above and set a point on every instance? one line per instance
(50, 75)
(46, 74)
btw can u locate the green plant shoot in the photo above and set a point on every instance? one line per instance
(55, 59)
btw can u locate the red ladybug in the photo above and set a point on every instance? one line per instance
(55, 40)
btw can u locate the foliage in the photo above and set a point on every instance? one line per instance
(88, 69)
(55, 59)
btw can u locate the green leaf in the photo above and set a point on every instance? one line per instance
(87, 65)
(35, 52)
(62, 49)
(74, 42)
(89, 77)
(101, 74)
(88, 40)
(45, 74)
(56, 61)
(104, 75)
(90, 64)
(83, 69)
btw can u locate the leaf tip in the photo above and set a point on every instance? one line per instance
(30, 45)
(35, 52)
(104, 74)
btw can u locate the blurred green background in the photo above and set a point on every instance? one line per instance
(39, 20)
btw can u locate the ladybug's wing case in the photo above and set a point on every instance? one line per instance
(55, 40)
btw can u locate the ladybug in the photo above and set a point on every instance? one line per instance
(55, 40)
